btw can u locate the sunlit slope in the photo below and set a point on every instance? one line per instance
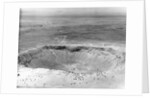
(80, 66)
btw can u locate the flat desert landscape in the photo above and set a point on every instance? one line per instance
(72, 48)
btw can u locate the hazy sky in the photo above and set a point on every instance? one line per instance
(120, 11)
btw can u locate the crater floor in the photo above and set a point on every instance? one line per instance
(72, 66)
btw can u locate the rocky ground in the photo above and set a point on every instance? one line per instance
(66, 66)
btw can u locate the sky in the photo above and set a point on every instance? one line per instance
(109, 11)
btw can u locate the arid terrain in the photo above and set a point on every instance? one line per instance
(71, 51)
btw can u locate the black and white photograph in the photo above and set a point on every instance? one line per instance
(72, 48)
